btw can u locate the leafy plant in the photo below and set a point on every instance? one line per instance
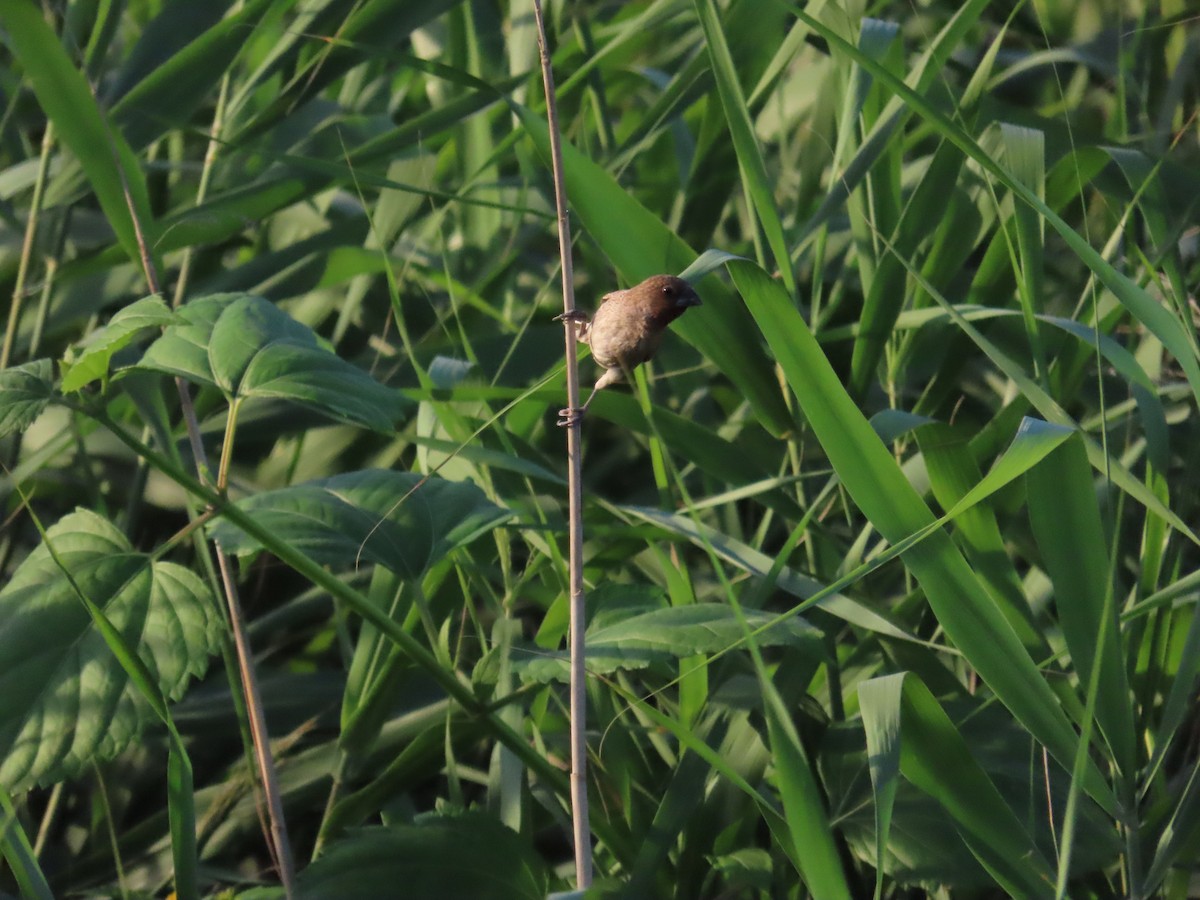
(890, 554)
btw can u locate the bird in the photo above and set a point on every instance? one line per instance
(627, 328)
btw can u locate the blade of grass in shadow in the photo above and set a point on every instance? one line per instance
(1025, 153)
(15, 847)
(1070, 538)
(874, 207)
(802, 802)
(874, 480)
(1035, 439)
(923, 76)
(1121, 359)
(935, 758)
(166, 96)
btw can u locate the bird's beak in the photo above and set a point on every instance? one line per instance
(691, 298)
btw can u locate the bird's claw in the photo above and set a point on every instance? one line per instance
(569, 418)
(575, 315)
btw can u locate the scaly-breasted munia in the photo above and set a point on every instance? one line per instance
(627, 329)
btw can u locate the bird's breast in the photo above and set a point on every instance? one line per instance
(621, 337)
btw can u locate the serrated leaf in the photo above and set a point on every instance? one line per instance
(24, 392)
(665, 634)
(92, 363)
(183, 348)
(399, 520)
(249, 348)
(65, 700)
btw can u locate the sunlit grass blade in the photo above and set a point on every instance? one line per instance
(754, 174)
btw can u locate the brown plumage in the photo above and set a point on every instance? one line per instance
(628, 327)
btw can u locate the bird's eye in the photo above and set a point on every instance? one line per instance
(668, 290)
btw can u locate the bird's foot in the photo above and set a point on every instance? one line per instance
(569, 418)
(575, 315)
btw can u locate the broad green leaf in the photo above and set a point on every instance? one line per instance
(93, 359)
(183, 348)
(934, 757)
(658, 636)
(25, 391)
(878, 486)
(65, 700)
(395, 519)
(250, 348)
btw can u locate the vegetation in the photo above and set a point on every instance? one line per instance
(891, 553)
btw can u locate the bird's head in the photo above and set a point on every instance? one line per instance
(668, 296)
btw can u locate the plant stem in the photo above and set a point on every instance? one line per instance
(581, 831)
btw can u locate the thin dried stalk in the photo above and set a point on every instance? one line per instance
(579, 799)
(278, 838)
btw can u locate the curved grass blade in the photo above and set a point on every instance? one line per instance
(754, 171)
(68, 101)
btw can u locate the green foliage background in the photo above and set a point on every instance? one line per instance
(891, 552)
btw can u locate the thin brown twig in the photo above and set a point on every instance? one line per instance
(581, 830)
(277, 837)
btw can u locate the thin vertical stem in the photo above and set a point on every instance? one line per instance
(277, 838)
(579, 799)
(35, 208)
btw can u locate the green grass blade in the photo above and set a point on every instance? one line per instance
(1070, 537)
(750, 161)
(934, 757)
(68, 102)
(802, 804)
(17, 851)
